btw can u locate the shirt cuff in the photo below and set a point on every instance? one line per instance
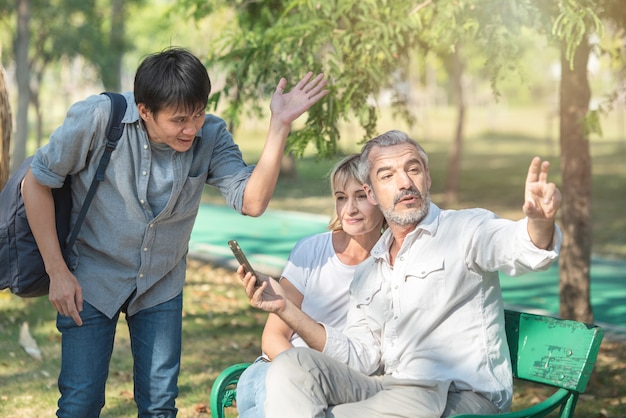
(539, 257)
(335, 342)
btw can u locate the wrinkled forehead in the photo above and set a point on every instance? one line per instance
(392, 155)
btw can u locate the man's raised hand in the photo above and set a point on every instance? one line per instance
(287, 107)
(541, 198)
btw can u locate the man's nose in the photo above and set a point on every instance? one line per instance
(404, 181)
(190, 128)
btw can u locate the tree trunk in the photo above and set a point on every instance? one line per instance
(451, 190)
(112, 72)
(6, 125)
(575, 258)
(38, 119)
(22, 71)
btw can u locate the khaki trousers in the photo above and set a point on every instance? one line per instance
(305, 383)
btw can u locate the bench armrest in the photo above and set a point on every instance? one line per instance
(224, 390)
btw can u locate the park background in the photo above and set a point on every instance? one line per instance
(501, 133)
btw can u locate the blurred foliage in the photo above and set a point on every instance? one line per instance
(375, 53)
(369, 47)
(70, 28)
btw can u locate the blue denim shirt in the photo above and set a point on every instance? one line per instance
(122, 247)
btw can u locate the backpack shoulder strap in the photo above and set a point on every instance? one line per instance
(114, 131)
(118, 109)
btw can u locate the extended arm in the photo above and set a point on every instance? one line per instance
(541, 203)
(285, 108)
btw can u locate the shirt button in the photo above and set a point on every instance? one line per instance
(401, 258)
(145, 146)
(151, 225)
(142, 201)
(144, 172)
(145, 249)
(141, 276)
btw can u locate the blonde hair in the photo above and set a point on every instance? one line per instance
(342, 173)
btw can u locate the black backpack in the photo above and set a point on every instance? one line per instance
(22, 269)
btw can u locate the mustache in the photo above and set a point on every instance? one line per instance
(408, 192)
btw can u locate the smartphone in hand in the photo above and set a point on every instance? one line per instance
(242, 259)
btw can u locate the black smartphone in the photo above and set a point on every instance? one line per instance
(241, 257)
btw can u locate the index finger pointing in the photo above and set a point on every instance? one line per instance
(533, 170)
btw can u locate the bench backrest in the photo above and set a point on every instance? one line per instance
(556, 352)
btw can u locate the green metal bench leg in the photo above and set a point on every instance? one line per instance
(224, 390)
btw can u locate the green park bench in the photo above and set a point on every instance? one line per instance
(555, 352)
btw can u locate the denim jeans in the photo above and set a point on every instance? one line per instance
(251, 389)
(155, 335)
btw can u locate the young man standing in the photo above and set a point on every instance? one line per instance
(425, 332)
(130, 255)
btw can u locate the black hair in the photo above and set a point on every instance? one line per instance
(173, 77)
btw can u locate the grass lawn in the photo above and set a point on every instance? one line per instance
(220, 328)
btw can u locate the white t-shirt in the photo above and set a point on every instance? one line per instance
(315, 270)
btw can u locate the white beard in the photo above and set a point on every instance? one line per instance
(411, 218)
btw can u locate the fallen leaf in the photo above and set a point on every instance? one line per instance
(201, 408)
(128, 395)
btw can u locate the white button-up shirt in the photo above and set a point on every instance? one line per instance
(437, 314)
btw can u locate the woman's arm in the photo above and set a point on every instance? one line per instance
(277, 334)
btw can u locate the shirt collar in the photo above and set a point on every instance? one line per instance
(429, 225)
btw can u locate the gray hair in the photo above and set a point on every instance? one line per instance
(387, 139)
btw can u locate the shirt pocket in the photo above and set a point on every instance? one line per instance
(424, 284)
(188, 200)
(366, 295)
(372, 305)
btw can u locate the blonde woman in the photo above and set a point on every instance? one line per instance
(317, 277)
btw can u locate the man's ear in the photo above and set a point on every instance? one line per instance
(144, 112)
(371, 197)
